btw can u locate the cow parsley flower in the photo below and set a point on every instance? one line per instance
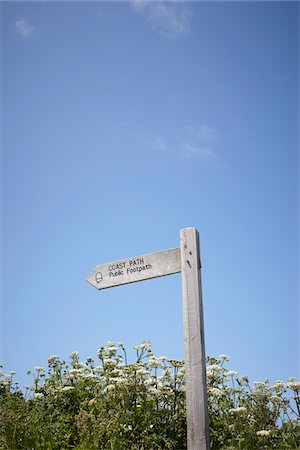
(244, 380)
(68, 389)
(109, 387)
(176, 362)
(215, 368)
(224, 357)
(263, 433)
(110, 344)
(38, 395)
(155, 363)
(142, 372)
(52, 359)
(145, 344)
(216, 392)
(294, 385)
(110, 361)
(238, 410)
(276, 399)
(231, 373)
(74, 372)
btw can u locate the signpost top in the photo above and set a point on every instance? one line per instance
(135, 269)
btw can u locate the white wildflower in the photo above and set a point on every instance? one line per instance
(155, 363)
(38, 368)
(67, 389)
(176, 362)
(110, 361)
(142, 372)
(275, 398)
(167, 391)
(73, 372)
(238, 410)
(215, 368)
(120, 344)
(216, 392)
(260, 385)
(263, 433)
(38, 395)
(121, 381)
(224, 357)
(89, 376)
(154, 391)
(109, 387)
(231, 373)
(294, 385)
(244, 380)
(145, 344)
(82, 366)
(279, 384)
(110, 344)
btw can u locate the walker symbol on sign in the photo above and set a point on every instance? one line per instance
(98, 277)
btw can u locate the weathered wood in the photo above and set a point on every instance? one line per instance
(196, 390)
(135, 269)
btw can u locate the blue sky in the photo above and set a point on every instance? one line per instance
(123, 123)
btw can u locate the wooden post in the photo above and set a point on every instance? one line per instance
(194, 349)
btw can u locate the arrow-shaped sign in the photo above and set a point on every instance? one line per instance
(135, 269)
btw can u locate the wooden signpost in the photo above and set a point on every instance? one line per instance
(186, 260)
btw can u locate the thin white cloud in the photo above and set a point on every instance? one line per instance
(159, 144)
(23, 27)
(169, 18)
(202, 132)
(194, 144)
(198, 143)
(189, 151)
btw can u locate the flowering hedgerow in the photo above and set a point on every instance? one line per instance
(115, 405)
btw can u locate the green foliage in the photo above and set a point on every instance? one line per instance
(141, 406)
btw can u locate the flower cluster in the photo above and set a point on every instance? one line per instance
(257, 416)
(109, 403)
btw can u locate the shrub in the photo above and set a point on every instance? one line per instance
(115, 405)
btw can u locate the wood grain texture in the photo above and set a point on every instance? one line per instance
(137, 268)
(194, 346)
